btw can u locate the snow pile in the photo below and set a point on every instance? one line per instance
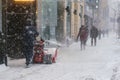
(101, 62)
(3, 68)
(116, 73)
(50, 50)
(52, 43)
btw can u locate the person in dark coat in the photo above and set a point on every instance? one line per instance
(29, 35)
(1, 50)
(99, 34)
(93, 35)
(83, 34)
(3, 55)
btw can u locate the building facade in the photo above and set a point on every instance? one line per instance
(50, 18)
(91, 12)
(76, 17)
(64, 16)
(103, 14)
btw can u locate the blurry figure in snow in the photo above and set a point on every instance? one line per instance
(99, 34)
(93, 35)
(103, 33)
(67, 41)
(107, 32)
(29, 35)
(47, 32)
(83, 34)
(3, 55)
(1, 50)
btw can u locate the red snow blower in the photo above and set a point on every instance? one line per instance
(44, 55)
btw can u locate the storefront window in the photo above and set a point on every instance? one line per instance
(49, 19)
(14, 18)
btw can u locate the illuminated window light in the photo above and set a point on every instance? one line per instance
(24, 0)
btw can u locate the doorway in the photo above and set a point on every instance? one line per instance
(14, 17)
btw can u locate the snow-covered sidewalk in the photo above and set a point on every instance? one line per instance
(99, 62)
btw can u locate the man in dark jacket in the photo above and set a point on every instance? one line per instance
(29, 35)
(93, 35)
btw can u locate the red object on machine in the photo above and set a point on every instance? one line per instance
(40, 52)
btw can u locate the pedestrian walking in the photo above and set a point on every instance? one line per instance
(93, 35)
(83, 34)
(29, 35)
(99, 34)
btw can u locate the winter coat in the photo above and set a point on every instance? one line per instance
(83, 33)
(29, 36)
(93, 32)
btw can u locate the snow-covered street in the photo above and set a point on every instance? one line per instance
(101, 62)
